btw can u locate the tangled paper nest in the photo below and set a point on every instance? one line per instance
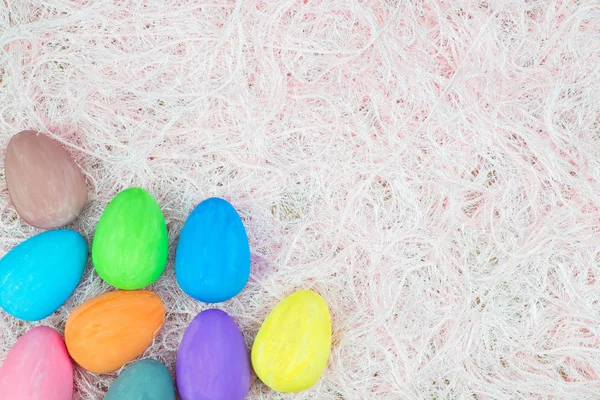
(431, 168)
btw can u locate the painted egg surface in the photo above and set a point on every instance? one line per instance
(212, 261)
(130, 245)
(37, 367)
(47, 188)
(292, 346)
(212, 361)
(112, 329)
(39, 274)
(144, 380)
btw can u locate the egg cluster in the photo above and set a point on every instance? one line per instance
(130, 252)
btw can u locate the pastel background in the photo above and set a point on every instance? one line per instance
(430, 167)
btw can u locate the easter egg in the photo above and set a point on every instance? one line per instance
(130, 245)
(212, 361)
(212, 261)
(292, 346)
(37, 367)
(47, 188)
(144, 380)
(112, 329)
(39, 274)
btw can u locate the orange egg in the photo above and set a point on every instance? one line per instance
(112, 329)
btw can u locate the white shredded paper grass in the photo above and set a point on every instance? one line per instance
(430, 167)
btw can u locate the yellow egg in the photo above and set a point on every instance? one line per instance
(292, 346)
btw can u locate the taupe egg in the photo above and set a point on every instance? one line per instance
(45, 184)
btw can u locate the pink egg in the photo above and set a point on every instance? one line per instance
(37, 367)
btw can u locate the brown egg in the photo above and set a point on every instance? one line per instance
(46, 186)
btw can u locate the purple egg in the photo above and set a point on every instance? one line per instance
(212, 362)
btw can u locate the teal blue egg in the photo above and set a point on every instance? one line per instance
(144, 380)
(212, 261)
(39, 275)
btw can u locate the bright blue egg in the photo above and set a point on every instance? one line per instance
(212, 262)
(40, 274)
(145, 380)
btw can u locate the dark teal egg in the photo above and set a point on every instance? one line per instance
(144, 380)
(212, 262)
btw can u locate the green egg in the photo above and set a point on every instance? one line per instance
(130, 245)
